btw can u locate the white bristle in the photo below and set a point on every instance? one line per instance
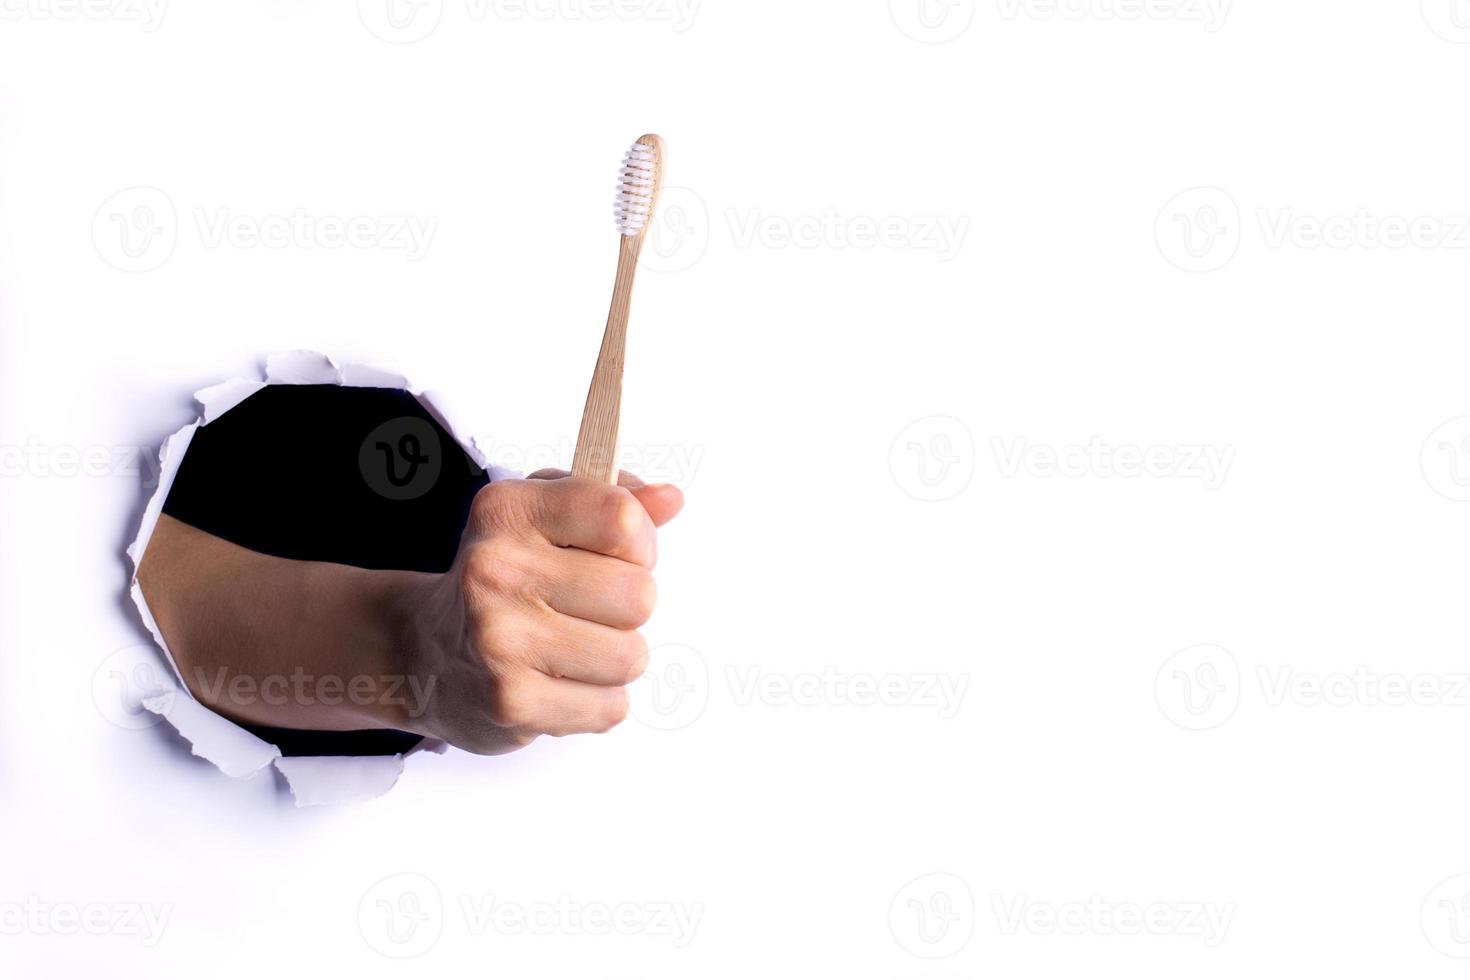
(636, 181)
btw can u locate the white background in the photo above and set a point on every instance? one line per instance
(1137, 188)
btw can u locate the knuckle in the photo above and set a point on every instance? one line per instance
(510, 706)
(499, 504)
(614, 711)
(633, 657)
(626, 518)
(641, 599)
(498, 642)
(490, 500)
(490, 568)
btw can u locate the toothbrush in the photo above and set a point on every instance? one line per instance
(638, 187)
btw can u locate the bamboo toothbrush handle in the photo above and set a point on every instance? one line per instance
(597, 441)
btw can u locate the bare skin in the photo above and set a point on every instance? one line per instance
(533, 631)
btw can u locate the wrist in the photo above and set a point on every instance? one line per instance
(408, 607)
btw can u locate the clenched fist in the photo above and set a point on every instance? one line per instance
(535, 628)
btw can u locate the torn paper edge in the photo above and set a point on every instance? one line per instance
(232, 749)
(316, 780)
(313, 780)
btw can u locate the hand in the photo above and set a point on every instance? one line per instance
(535, 628)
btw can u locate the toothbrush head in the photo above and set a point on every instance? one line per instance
(638, 186)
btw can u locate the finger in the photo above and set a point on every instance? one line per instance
(578, 650)
(596, 588)
(529, 701)
(581, 513)
(663, 501)
(540, 638)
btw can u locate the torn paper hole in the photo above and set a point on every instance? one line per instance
(234, 750)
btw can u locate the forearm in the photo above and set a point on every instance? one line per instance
(291, 644)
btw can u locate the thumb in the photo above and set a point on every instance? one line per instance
(663, 501)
